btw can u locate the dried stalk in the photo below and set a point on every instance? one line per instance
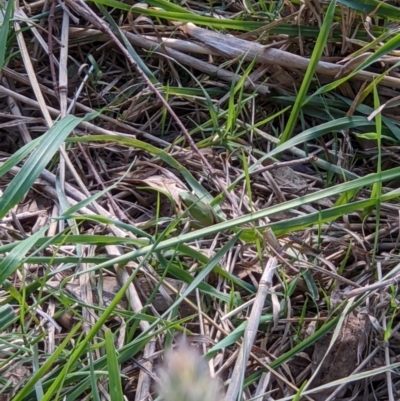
(231, 47)
(251, 331)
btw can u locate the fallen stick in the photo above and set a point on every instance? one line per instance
(230, 47)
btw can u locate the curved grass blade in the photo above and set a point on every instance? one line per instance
(197, 188)
(18, 156)
(129, 47)
(105, 220)
(204, 272)
(94, 239)
(14, 259)
(44, 152)
(388, 47)
(316, 132)
(235, 335)
(379, 8)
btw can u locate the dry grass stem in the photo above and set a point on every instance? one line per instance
(251, 331)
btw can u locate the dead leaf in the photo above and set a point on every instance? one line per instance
(287, 178)
(167, 185)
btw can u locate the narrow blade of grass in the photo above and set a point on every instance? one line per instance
(114, 375)
(315, 58)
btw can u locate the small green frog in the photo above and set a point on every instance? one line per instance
(202, 212)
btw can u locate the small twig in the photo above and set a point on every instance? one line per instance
(84, 124)
(66, 10)
(78, 92)
(15, 110)
(50, 48)
(389, 380)
(176, 50)
(62, 98)
(83, 9)
(373, 287)
(31, 74)
(117, 211)
(63, 74)
(231, 47)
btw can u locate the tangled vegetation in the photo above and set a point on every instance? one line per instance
(223, 171)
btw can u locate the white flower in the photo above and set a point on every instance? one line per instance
(184, 376)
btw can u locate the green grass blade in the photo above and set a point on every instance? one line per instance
(5, 30)
(315, 58)
(115, 386)
(44, 152)
(235, 335)
(292, 204)
(93, 378)
(15, 258)
(164, 156)
(387, 48)
(128, 46)
(378, 8)
(233, 224)
(331, 214)
(377, 187)
(18, 156)
(204, 272)
(7, 317)
(47, 365)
